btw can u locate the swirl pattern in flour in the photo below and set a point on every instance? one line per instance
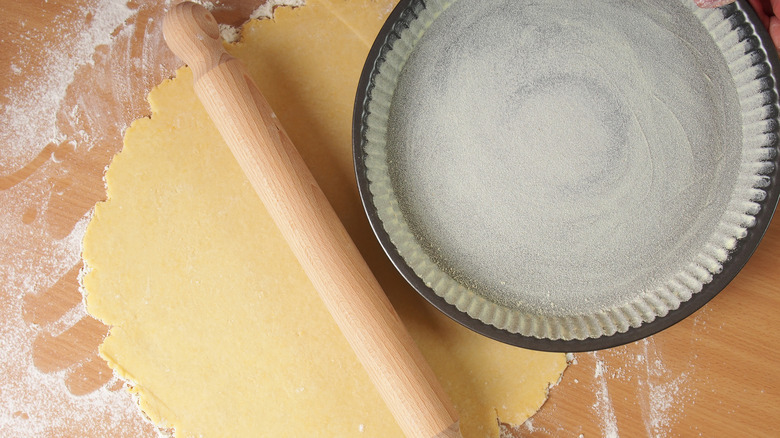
(559, 158)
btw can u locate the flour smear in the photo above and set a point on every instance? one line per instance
(553, 159)
(36, 403)
(29, 119)
(663, 392)
(78, 76)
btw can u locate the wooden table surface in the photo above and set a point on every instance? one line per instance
(76, 73)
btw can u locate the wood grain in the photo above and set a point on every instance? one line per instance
(311, 227)
(714, 374)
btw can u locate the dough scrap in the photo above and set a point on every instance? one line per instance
(213, 320)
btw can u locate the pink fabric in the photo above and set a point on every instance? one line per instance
(765, 9)
(711, 3)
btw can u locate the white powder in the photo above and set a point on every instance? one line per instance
(558, 158)
(29, 118)
(603, 407)
(232, 34)
(663, 391)
(37, 403)
(229, 33)
(266, 10)
(54, 97)
(89, 84)
(635, 384)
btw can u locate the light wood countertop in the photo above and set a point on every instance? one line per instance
(714, 374)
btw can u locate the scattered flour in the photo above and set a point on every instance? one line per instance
(603, 407)
(561, 168)
(229, 33)
(28, 123)
(36, 403)
(266, 10)
(29, 118)
(232, 34)
(86, 86)
(663, 392)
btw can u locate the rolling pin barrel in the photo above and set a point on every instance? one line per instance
(310, 225)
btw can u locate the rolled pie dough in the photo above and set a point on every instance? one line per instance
(212, 319)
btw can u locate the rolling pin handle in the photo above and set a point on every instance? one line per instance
(311, 227)
(192, 34)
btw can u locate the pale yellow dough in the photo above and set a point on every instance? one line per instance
(212, 318)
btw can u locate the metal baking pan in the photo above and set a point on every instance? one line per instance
(564, 178)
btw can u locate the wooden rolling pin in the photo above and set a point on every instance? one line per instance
(310, 225)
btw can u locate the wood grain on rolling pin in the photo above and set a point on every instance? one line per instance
(725, 349)
(311, 227)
